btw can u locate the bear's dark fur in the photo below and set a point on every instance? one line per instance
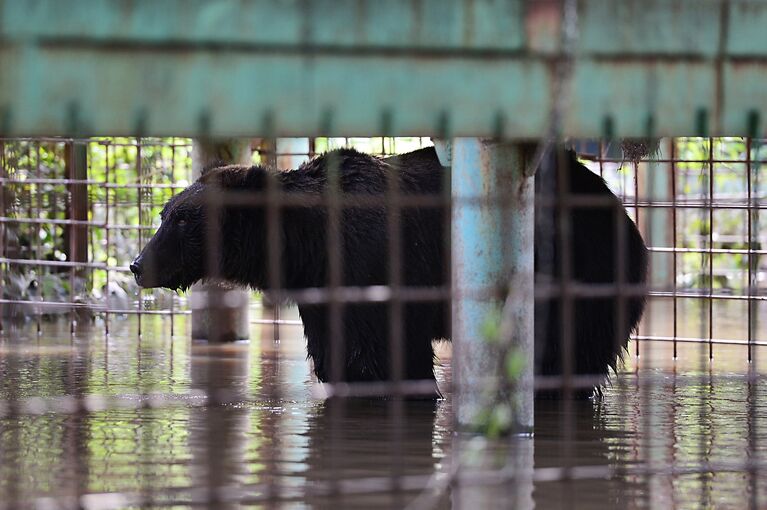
(175, 258)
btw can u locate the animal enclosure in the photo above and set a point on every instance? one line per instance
(697, 203)
(450, 291)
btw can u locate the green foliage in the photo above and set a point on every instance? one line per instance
(715, 171)
(491, 326)
(515, 363)
(115, 169)
(496, 417)
(496, 421)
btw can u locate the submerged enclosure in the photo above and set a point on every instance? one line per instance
(107, 401)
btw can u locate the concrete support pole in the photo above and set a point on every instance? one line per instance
(492, 249)
(284, 154)
(219, 313)
(518, 319)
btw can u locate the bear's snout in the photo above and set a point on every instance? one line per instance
(150, 273)
(137, 269)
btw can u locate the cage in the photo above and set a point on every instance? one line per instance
(385, 173)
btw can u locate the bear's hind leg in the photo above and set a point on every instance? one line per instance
(366, 351)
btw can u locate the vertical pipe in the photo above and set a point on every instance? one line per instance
(76, 234)
(518, 314)
(492, 247)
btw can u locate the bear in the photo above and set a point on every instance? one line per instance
(176, 257)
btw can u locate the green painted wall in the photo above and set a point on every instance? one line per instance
(363, 67)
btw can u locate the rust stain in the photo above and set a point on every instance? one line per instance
(484, 170)
(543, 20)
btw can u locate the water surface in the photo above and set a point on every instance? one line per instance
(164, 422)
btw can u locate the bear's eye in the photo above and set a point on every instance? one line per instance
(182, 222)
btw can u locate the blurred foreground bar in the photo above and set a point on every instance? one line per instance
(288, 68)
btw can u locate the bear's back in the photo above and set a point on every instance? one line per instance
(419, 172)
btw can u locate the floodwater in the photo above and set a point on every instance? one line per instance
(668, 434)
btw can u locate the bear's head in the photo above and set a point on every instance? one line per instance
(179, 253)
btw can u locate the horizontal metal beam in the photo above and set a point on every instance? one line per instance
(364, 67)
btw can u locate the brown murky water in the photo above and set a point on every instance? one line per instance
(667, 434)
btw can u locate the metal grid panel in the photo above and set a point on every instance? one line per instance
(707, 244)
(712, 189)
(75, 212)
(482, 68)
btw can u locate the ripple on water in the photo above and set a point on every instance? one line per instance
(657, 439)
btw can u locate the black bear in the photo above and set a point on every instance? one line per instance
(176, 258)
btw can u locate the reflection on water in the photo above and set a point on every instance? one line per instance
(667, 434)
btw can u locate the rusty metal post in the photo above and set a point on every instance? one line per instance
(492, 258)
(76, 234)
(218, 313)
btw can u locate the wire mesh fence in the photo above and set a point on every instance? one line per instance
(706, 244)
(75, 213)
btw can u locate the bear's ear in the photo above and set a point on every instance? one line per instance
(212, 165)
(232, 176)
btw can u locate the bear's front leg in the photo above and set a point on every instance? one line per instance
(365, 343)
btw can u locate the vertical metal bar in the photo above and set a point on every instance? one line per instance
(38, 242)
(335, 259)
(273, 230)
(90, 253)
(567, 311)
(139, 191)
(652, 418)
(295, 152)
(3, 229)
(70, 156)
(107, 234)
(710, 248)
(753, 382)
(172, 192)
(635, 166)
(335, 250)
(705, 250)
(396, 315)
(601, 157)
(674, 257)
(396, 318)
(91, 229)
(213, 213)
(274, 197)
(620, 305)
(749, 247)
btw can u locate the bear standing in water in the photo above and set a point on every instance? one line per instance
(176, 258)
